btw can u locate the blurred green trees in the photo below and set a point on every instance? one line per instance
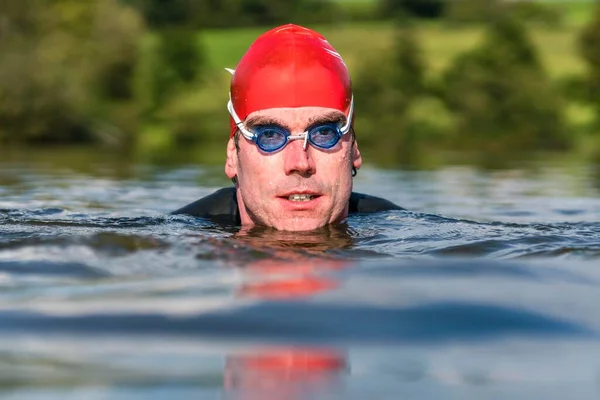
(465, 11)
(415, 8)
(67, 70)
(138, 73)
(501, 96)
(387, 88)
(174, 59)
(495, 97)
(469, 11)
(235, 13)
(589, 44)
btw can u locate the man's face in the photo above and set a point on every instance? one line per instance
(293, 189)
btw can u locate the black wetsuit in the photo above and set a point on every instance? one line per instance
(222, 206)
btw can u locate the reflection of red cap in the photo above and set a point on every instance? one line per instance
(290, 66)
(300, 280)
(284, 374)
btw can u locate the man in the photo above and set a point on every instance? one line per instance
(292, 150)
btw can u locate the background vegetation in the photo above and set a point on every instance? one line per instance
(146, 77)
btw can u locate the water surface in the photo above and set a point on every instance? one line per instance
(487, 287)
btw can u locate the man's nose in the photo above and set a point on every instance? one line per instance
(298, 160)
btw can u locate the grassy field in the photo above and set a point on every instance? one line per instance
(441, 44)
(576, 12)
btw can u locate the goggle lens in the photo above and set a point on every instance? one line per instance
(271, 138)
(324, 136)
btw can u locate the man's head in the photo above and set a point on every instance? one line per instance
(292, 148)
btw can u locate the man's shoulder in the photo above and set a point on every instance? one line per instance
(364, 203)
(219, 206)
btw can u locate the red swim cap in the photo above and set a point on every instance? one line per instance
(290, 66)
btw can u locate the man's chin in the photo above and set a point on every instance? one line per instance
(299, 224)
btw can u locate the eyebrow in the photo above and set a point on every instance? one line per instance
(258, 120)
(328, 117)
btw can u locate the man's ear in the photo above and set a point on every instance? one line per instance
(356, 157)
(231, 163)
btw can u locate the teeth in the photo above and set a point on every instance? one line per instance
(300, 197)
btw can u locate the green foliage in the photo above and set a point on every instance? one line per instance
(392, 80)
(408, 62)
(413, 8)
(530, 11)
(235, 13)
(174, 59)
(472, 10)
(74, 71)
(589, 44)
(162, 13)
(501, 95)
(65, 65)
(391, 92)
(273, 12)
(77, 71)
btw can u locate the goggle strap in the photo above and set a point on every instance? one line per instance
(346, 126)
(250, 136)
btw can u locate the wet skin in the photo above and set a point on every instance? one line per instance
(267, 180)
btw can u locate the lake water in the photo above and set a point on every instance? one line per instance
(487, 288)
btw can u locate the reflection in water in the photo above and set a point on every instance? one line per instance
(319, 241)
(288, 372)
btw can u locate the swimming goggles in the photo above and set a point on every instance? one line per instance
(271, 138)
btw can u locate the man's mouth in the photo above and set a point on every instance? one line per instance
(301, 197)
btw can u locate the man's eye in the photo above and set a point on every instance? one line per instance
(327, 131)
(269, 136)
(324, 134)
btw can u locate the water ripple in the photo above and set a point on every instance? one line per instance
(485, 268)
(269, 322)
